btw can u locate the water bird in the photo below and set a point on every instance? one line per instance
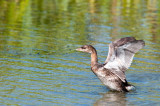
(119, 59)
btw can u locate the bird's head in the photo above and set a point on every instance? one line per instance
(86, 48)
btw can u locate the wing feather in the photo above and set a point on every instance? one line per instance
(121, 53)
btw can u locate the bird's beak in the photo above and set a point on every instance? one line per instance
(78, 49)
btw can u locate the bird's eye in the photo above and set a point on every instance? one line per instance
(83, 48)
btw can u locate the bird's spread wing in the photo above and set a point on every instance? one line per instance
(120, 55)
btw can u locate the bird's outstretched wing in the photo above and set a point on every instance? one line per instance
(120, 55)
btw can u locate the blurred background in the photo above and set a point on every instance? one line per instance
(39, 64)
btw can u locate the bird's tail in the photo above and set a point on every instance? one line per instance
(130, 88)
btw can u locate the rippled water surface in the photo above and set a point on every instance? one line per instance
(39, 64)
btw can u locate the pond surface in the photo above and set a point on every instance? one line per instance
(39, 64)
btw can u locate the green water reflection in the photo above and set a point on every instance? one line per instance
(37, 41)
(65, 21)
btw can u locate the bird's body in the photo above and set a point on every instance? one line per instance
(109, 79)
(120, 55)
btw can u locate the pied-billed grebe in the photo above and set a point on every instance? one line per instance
(120, 56)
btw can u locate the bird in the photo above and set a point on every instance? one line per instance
(120, 55)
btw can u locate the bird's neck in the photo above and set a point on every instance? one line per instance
(94, 58)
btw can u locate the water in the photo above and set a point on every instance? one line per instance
(39, 64)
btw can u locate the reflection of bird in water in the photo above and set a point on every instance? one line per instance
(120, 56)
(112, 99)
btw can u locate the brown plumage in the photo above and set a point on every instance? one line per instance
(120, 55)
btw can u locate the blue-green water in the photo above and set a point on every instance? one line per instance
(39, 64)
